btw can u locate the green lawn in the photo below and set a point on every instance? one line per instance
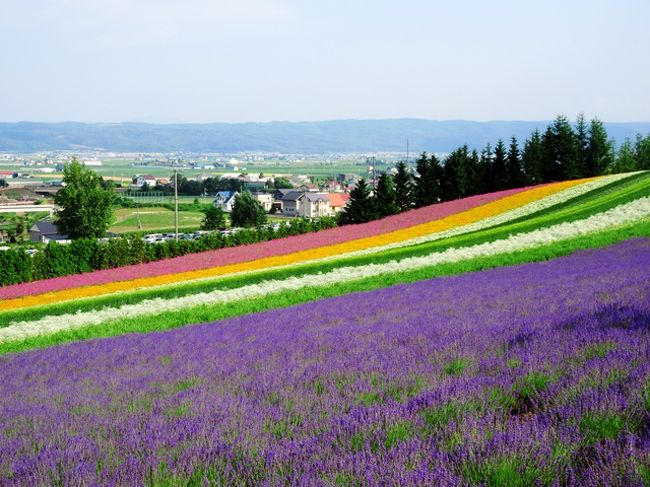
(152, 218)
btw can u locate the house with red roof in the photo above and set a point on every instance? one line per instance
(338, 202)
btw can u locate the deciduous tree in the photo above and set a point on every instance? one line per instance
(84, 206)
(214, 219)
(247, 211)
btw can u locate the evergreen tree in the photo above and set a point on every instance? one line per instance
(625, 158)
(560, 152)
(360, 208)
(548, 167)
(247, 211)
(532, 159)
(85, 208)
(579, 167)
(427, 185)
(420, 181)
(467, 172)
(403, 187)
(499, 166)
(487, 182)
(514, 173)
(642, 152)
(385, 197)
(600, 150)
(450, 176)
(475, 162)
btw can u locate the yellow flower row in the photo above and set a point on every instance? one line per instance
(470, 216)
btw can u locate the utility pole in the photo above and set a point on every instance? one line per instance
(407, 150)
(176, 202)
(374, 175)
(137, 209)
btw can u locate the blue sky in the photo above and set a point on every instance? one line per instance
(262, 60)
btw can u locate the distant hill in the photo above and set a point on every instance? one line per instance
(291, 137)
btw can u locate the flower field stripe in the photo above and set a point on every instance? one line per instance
(231, 255)
(621, 215)
(469, 216)
(507, 216)
(433, 383)
(208, 313)
(620, 190)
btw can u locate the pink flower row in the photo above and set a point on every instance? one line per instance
(232, 255)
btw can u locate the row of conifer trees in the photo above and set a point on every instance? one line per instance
(563, 151)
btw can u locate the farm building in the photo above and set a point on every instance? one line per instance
(45, 231)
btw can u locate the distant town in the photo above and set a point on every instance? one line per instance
(286, 185)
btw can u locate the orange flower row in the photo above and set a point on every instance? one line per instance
(338, 250)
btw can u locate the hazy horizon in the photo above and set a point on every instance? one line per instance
(146, 121)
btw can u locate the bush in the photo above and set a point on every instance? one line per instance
(15, 267)
(85, 255)
(59, 260)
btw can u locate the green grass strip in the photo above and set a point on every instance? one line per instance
(595, 194)
(599, 200)
(284, 299)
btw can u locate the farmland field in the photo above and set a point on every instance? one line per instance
(152, 218)
(498, 340)
(123, 170)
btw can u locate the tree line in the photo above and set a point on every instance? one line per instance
(211, 186)
(562, 151)
(89, 254)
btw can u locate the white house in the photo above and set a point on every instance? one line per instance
(310, 205)
(225, 200)
(313, 205)
(265, 199)
(147, 179)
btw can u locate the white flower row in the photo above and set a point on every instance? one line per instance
(627, 213)
(524, 210)
(507, 216)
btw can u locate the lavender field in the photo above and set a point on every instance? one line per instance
(537, 374)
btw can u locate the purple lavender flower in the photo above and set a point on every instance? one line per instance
(532, 374)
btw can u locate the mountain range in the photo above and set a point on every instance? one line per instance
(286, 137)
